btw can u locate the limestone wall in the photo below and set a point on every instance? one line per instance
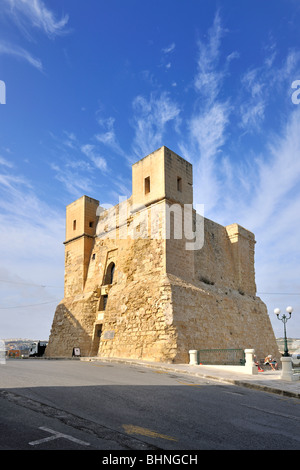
(216, 318)
(227, 257)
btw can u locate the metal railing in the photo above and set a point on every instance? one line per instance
(221, 357)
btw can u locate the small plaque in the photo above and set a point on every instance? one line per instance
(76, 352)
(108, 334)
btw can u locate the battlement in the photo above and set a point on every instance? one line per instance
(81, 218)
(162, 174)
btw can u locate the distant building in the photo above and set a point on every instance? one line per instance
(293, 344)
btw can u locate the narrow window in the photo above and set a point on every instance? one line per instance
(99, 331)
(91, 224)
(112, 272)
(103, 302)
(179, 184)
(105, 297)
(74, 224)
(109, 275)
(147, 185)
(94, 256)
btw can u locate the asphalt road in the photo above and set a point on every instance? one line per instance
(68, 405)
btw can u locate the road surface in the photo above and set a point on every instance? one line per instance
(68, 405)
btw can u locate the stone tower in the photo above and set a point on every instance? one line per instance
(150, 278)
(81, 222)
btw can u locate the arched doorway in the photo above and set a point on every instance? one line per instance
(109, 275)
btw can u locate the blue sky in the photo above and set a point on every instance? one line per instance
(91, 87)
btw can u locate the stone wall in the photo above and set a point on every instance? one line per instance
(208, 317)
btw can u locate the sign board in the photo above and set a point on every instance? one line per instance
(14, 353)
(76, 352)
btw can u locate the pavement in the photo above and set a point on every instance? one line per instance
(267, 381)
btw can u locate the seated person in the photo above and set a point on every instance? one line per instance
(271, 361)
(257, 364)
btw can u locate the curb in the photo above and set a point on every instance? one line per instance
(238, 382)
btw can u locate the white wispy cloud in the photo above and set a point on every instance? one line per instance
(107, 136)
(207, 79)
(23, 211)
(207, 134)
(207, 126)
(270, 209)
(9, 182)
(70, 166)
(20, 53)
(230, 188)
(96, 158)
(277, 177)
(77, 163)
(71, 140)
(35, 14)
(5, 162)
(168, 49)
(31, 246)
(72, 177)
(261, 83)
(151, 117)
(30, 15)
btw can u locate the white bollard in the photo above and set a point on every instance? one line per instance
(250, 367)
(2, 352)
(193, 357)
(287, 370)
